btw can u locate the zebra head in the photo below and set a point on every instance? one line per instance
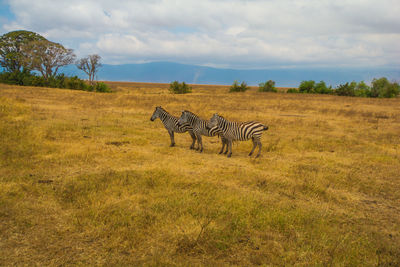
(183, 119)
(156, 113)
(214, 121)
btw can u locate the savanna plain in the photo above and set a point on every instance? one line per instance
(87, 179)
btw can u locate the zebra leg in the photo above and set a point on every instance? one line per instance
(259, 150)
(226, 142)
(223, 145)
(229, 148)
(193, 139)
(254, 146)
(200, 141)
(171, 135)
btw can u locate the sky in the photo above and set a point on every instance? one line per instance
(242, 34)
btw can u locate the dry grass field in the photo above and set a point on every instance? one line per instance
(87, 179)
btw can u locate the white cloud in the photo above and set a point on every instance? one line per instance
(230, 33)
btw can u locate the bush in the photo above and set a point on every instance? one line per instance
(102, 87)
(267, 87)
(179, 88)
(321, 88)
(238, 88)
(292, 91)
(16, 77)
(307, 86)
(28, 78)
(383, 88)
(362, 90)
(346, 89)
(76, 84)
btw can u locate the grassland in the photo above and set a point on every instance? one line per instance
(87, 179)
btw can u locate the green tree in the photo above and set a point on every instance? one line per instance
(46, 57)
(268, 86)
(362, 90)
(307, 86)
(235, 87)
(179, 88)
(11, 44)
(347, 89)
(321, 88)
(383, 88)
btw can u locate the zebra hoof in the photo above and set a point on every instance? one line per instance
(225, 152)
(229, 155)
(220, 152)
(171, 145)
(251, 153)
(258, 156)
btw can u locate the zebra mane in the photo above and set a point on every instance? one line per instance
(220, 116)
(191, 113)
(163, 109)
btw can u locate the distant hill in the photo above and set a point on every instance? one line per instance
(165, 72)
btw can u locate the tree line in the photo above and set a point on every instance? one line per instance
(381, 87)
(24, 54)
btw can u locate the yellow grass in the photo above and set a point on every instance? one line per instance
(88, 179)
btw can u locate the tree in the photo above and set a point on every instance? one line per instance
(347, 89)
(307, 86)
(383, 88)
(46, 57)
(362, 90)
(90, 65)
(179, 88)
(11, 44)
(238, 88)
(321, 88)
(268, 86)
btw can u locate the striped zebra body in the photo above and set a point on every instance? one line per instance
(234, 131)
(201, 127)
(171, 124)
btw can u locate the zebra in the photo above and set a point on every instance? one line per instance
(200, 127)
(234, 131)
(171, 124)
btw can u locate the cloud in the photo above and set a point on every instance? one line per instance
(243, 34)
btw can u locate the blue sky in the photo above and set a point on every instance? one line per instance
(220, 33)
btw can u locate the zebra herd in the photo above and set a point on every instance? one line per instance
(216, 126)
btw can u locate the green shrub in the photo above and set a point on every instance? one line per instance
(321, 88)
(267, 87)
(76, 84)
(307, 86)
(16, 77)
(28, 78)
(179, 88)
(346, 89)
(383, 88)
(238, 88)
(102, 87)
(292, 91)
(362, 90)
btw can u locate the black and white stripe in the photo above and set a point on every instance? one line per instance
(234, 131)
(201, 127)
(171, 124)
